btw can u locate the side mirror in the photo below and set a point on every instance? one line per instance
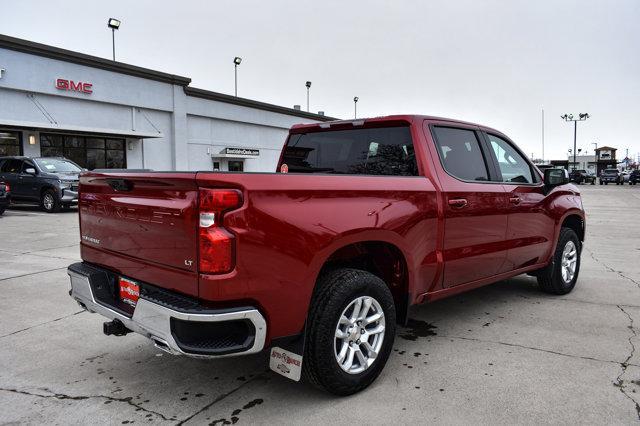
(555, 177)
(30, 171)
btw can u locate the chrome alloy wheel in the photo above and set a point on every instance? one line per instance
(48, 201)
(569, 260)
(359, 335)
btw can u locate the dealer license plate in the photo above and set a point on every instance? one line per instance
(129, 291)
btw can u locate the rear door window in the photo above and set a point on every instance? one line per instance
(12, 166)
(377, 151)
(460, 153)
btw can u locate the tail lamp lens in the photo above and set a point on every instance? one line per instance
(216, 243)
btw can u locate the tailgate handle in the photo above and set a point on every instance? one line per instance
(121, 185)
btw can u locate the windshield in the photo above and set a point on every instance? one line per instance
(54, 165)
(610, 171)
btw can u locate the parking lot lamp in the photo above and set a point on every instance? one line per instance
(308, 84)
(236, 61)
(355, 107)
(114, 24)
(569, 117)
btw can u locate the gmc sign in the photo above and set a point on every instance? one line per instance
(62, 84)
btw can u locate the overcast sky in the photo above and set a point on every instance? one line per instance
(492, 62)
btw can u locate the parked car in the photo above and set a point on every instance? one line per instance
(582, 176)
(625, 176)
(5, 196)
(634, 177)
(608, 176)
(320, 261)
(50, 182)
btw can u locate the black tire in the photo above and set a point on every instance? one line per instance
(1, 211)
(50, 205)
(593, 182)
(550, 278)
(606, 183)
(600, 182)
(335, 291)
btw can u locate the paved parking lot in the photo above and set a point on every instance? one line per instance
(505, 353)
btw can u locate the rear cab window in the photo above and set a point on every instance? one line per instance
(359, 151)
(460, 153)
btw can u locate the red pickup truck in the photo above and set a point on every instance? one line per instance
(320, 260)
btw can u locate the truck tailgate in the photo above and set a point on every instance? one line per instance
(142, 225)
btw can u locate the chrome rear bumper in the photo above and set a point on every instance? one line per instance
(153, 320)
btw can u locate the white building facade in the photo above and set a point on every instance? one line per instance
(105, 114)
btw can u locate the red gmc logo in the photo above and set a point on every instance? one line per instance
(62, 84)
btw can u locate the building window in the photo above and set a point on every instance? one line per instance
(87, 151)
(10, 143)
(236, 166)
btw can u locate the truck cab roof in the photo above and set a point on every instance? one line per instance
(387, 119)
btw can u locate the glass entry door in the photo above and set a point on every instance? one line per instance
(90, 152)
(10, 143)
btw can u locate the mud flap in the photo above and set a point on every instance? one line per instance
(286, 356)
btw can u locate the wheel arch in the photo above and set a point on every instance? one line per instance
(381, 254)
(575, 221)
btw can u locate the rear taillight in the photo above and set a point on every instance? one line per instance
(216, 244)
(7, 188)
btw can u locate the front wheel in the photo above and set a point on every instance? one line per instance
(1, 211)
(350, 331)
(560, 276)
(50, 202)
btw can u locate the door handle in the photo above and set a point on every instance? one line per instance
(458, 203)
(514, 200)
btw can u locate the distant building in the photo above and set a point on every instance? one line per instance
(606, 158)
(583, 162)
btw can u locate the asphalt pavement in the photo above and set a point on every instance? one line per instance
(502, 354)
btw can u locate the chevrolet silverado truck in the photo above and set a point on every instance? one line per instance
(320, 261)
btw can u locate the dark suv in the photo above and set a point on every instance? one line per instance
(634, 177)
(5, 196)
(51, 182)
(611, 175)
(582, 176)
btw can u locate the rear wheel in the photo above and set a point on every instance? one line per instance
(1, 211)
(350, 331)
(560, 276)
(50, 202)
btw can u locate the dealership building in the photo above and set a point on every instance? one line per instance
(105, 114)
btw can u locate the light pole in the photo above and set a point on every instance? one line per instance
(236, 61)
(114, 24)
(308, 85)
(543, 134)
(569, 117)
(355, 107)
